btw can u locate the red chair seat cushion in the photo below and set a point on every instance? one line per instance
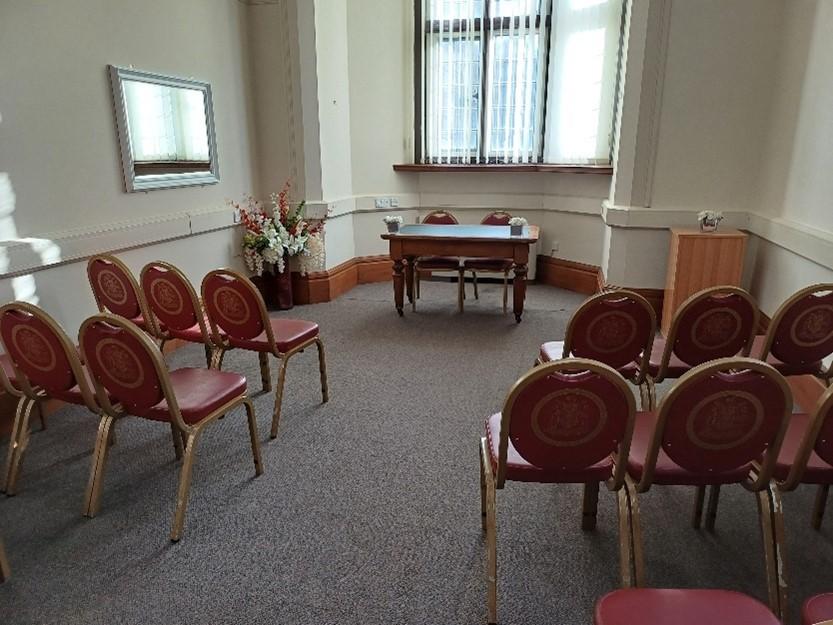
(519, 470)
(676, 367)
(817, 609)
(438, 262)
(667, 471)
(199, 392)
(194, 333)
(288, 333)
(659, 606)
(811, 368)
(487, 264)
(817, 471)
(139, 320)
(8, 369)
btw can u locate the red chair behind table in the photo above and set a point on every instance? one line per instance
(718, 322)
(818, 610)
(565, 422)
(238, 319)
(721, 424)
(800, 334)
(127, 367)
(615, 327)
(45, 364)
(175, 305)
(807, 453)
(116, 291)
(491, 265)
(439, 263)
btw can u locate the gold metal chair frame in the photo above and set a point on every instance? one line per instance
(825, 375)
(759, 482)
(31, 397)
(221, 346)
(504, 272)
(5, 569)
(461, 292)
(195, 302)
(183, 434)
(150, 318)
(650, 392)
(491, 482)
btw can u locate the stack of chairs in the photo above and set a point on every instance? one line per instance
(118, 369)
(727, 420)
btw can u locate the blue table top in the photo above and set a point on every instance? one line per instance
(462, 231)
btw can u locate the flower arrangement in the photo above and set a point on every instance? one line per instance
(271, 238)
(709, 220)
(393, 222)
(516, 226)
(518, 221)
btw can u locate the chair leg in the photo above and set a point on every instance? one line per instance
(265, 375)
(92, 497)
(417, 285)
(177, 436)
(10, 452)
(590, 506)
(461, 289)
(184, 486)
(250, 417)
(780, 545)
(322, 371)
(636, 533)
(276, 413)
(482, 490)
(18, 443)
(505, 291)
(217, 355)
(625, 538)
(698, 506)
(820, 503)
(41, 416)
(645, 396)
(491, 534)
(652, 392)
(5, 569)
(474, 282)
(768, 538)
(711, 512)
(207, 355)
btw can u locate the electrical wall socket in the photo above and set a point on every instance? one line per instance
(236, 216)
(382, 202)
(394, 202)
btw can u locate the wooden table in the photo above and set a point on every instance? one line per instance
(458, 240)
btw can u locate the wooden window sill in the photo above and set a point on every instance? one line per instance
(605, 170)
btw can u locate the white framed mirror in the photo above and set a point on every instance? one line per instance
(166, 130)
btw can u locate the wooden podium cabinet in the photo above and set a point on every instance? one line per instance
(698, 260)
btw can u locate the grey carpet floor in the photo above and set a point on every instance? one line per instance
(368, 510)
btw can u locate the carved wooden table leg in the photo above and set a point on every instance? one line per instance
(409, 278)
(519, 291)
(398, 285)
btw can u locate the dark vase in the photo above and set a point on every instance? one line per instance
(282, 281)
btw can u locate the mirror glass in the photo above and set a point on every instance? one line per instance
(165, 129)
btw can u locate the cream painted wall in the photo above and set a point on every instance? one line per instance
(58, 139)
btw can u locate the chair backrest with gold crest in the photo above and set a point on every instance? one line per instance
(718, 322)
(566, 416)
(174, 302)
(800, 334)
(45, 361)
(440, 217)
(235, 308)
(613, 327)
(116, 291)
(497, 218)
(719, 420)
(813, 453)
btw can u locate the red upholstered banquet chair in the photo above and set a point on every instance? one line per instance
(722, 423)
(800, 334)
(818, 610)
(807, 453)
(116, 291)
(718, 322)
(491, 265)
(131, 379)
(174, 303)
(238, 319)
(566, 422)
(44, 364)
(439, 263)
(689, 606)
(614, 327)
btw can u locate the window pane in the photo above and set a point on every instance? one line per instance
(505, 8)
(454, 9)
(514, 95)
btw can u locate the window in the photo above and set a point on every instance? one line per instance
(516, 81)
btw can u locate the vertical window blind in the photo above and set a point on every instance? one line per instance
(516, 81)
